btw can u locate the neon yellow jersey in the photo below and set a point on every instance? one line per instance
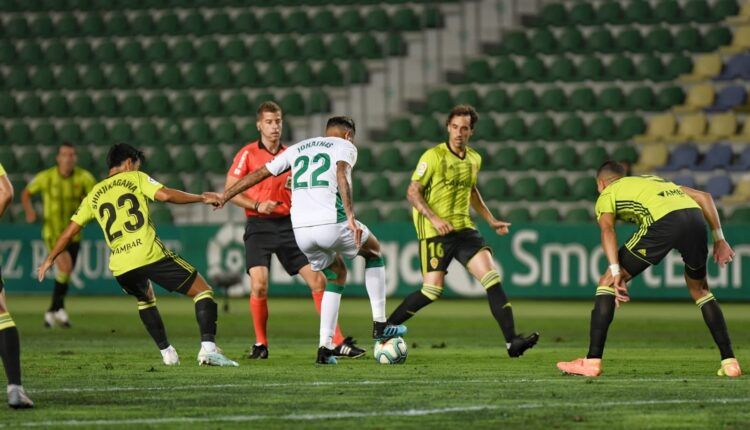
(447, 180)
(642, 200)
(120, 206)
(60, 197)
(2, 170)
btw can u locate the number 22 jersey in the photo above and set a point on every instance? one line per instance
(119, 205)
(315, 191)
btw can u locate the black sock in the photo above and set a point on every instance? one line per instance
(58, 296)
(411, 304)
(601, 318)
(714, 319)
(155, 326)
(10, 351)
(501, 310)
(206, 312)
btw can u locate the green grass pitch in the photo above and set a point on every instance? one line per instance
(659, 371)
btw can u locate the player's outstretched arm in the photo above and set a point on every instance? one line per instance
(6, 193)
(62, 243)
(28, 208)
(723, 253)
(477, 202)
(245, 183)
(344, 182)
(178, 197)
(415, 195)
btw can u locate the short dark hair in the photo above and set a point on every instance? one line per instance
(342, 121)
(66, 144)
(122, 151)
(267, 106)
(611, 167)
(463, 110)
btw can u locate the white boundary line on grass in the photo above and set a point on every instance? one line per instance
(356, 383)
(340, 415)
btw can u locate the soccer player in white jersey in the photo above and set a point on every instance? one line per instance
(325, 227)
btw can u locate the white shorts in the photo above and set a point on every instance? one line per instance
(321, 243)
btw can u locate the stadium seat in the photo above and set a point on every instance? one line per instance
(158, 105)
(468, 96)
(478, 71)
(379, 188)
(658, 40)
(369, 215)
(687, 39)
(506, 158)
(121, 132)
(535, 158)
(734, 15)
(30, 53)
(555, 189)
(660, 128)
(743, 134)
(678, 65)
(685, 180)
(572, 128)
(728, 98)
(629, 40)
(582, 14)
(398, 214)
(584, 188)
(571, 40)
(561, 69)
(390, 158)
(582, 99)
(577, 216)
(439, 100)
(514, 128)
(518, 215)
(668, 97)
(564, 158)
(547, 215)
(485, 129)
(625, 153)
(600, 40)
(525, 188)
(719, 156)
(495, 188)
(44, 133)
(651, 156)
(377, 19)
(430, 129)
(30, 106)
(524, 99)
(705, 67)
(543, 128)
(740, 194)
(95, 133)
(132, 106)
(621, 68)
(683, 157)
(43, 78)
(29, 160)
(17, 78)
(543, 42)
(553, 14)
(506, 70)
(132, 52)
(144, 77)
(737, 67)
(716, 37)
(93, 78)
(82, 106)
(106, 105)
(199, 132)
(602, 128)
(690, 128)
(740, 41)
(593, 157)
(515, 42)
(400, 129)
(8, 107)
(553, 99)
(720, 127)
(18, 133)
(171, 132)
(743, 161)
(8, 159)
(719, 186)
(698, 97)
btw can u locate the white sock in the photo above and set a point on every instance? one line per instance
(329, 315)
(208, 346)
(13, 386)
(166, 350)
(375, 284)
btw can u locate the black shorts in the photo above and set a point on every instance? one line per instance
(683, 230)
(436, 253)
(172, 273)
(266, 236)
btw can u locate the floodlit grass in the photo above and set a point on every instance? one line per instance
(659, 371)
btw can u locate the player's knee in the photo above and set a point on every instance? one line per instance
(62, 277)
(374, 261)
(259, 290)
(695, 274)
(432, 292)
(318, 283)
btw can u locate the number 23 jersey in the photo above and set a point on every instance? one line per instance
(119, 205)
(315, 193)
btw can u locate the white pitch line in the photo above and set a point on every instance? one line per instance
(340, 415)
(339, 383)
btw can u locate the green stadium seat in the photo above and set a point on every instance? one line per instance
(543, 42)
(405, 19)
(66, 26)
(225, 132)
(67, 77)
(293, 103)
(85, 160)
(515, 42)
(31, 106)
(556, 189)
(601, 41)
(303, 75)
(237, 105)
(81, 53)
(625, 153)
(365, 159)
(42, 27)
(234, 50)
(29, 160)
(117, 24)
(723, 9)
(31, 53)
(8, 108)
(121, 132)
(658, 40)
(369, 215)
(400, 129)
(271, 22)
(298, 22)
(495, 100)
(213, 161)
(572, 128)
(43, 78)
(133, 106)
(611, 98)
(248, 76)
(630, 126)
(564, 158)
(593, 157)
(577, 216)
(553, 14)
(324, 21)
(18, 133)
(629, 40)
(377, 19)
(55, 53)
(641, 98)
(132, 52)
(525, 188)
(716, 37)
(571, 40)
(44, 133)
(602, 128)
(518, 215)
(339, 47)
(287, 49)
(668, 11)
(583, 99)
(81, 105)
(533, 69)
(209, 51)
(262, 97)
(495, 188)
(687, 39)
(92, 25)
(468, 96)
(157, 50)
(432, 17)
(8, 52)
(379, 188)
(168, 24)
(328, 74)
(17, 28)
(678, 65)
(390, 158)
(621, 68)
(348, 21)
(145, 77)
(146, 133)
(542, 128)
(170, 77)
(199, 132)
(158, 105)
(651, 68)
(485, 129)
(395, 45)
(275, 75)
(514, 128)
(439, 100)
(430, 129)
(195, 76)
(367, 46)
(182, 51)
(106, 105)
(584, 188)
(194, 24)
(16, 78)
(358, 73)
(610, 12)
(318, 101)
(524, 99)
(582, 14)
(313, 48)
(184, 106)
(171, 132)
(160, 214)
(398, 215)
(535, 158)
(95, 133)
(93, 78)
(561, 69)
(547, 215)
(106, 52)
(245, 23)
(505, 70)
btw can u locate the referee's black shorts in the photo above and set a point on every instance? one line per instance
(266, 236)
(683, 230)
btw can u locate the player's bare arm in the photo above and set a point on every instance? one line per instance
(243, 184)
(170, 195)
(723, 253)
(240, 200)
(6, 193)
(415, 195)
(609, 244)
(344, 181)
(67, 236)
(28, 208)
(477, 202)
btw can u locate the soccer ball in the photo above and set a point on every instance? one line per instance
(391, 351)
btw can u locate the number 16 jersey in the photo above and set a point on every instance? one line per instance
(315, 191)
(119, 205)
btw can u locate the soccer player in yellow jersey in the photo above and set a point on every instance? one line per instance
(669, 217)
(119, 204)
(10, 347)
(443, 188)
(62, 188)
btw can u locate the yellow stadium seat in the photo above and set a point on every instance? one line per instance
(720, 127)
(704, 67)
(741, 18)
(691, 127)
(698, 97)
(741, 193)
(740, 41)
(652, 156)
(660, 127)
